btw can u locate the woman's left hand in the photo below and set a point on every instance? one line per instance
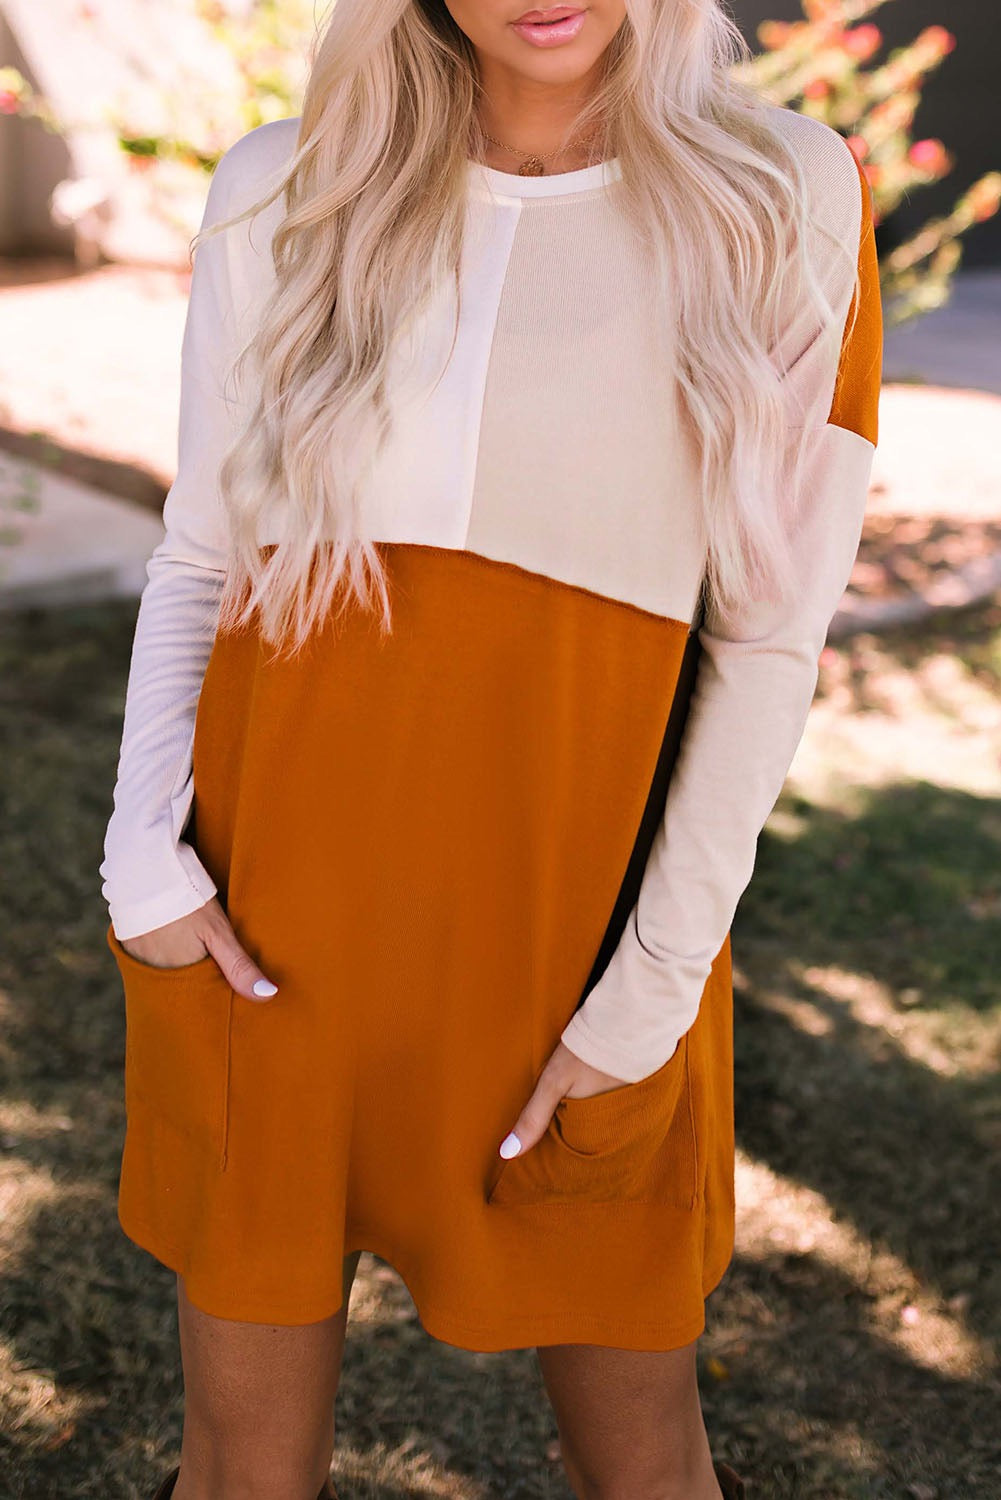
(564, 1074)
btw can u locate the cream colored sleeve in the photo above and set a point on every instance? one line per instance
(150, 874)
(754, 686)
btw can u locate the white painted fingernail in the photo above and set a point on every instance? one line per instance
(510, 1145)
(265, 987)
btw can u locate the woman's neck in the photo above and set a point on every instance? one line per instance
(521, 118)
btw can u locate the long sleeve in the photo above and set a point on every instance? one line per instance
(754, 686)
(151, 875)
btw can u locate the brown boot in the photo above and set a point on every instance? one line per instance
(167, 1487)
(730, 1483)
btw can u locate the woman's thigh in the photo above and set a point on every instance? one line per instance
(259, 1400)
(630, 1421)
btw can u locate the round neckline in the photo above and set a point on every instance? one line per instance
(512, 185)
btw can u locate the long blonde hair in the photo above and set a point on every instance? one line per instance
(374, 205)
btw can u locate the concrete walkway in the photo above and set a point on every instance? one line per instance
(70, 544)
(956, 345)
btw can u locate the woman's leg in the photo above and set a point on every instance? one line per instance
(630, 1422)
(258, 1403)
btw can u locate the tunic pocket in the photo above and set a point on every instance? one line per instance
(178, 1034)
(635, 1142)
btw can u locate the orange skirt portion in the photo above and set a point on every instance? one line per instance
(421, 836)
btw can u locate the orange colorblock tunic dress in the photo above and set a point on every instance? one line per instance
(454, 844)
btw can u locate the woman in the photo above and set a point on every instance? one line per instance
(537, 353)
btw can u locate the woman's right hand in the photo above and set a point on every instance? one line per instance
(202, 932)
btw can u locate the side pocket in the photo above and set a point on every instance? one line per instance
(178, 1048)
(632, 1143)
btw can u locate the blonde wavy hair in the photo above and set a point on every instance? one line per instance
(374, 206)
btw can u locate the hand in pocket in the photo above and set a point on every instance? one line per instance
(202, 934)
(632, 1141)
(564, 1072)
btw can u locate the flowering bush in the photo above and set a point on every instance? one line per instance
(825, 66)
(17, 97)
(172, 137)
(266, 42)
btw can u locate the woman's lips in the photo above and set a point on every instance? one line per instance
(553, 33)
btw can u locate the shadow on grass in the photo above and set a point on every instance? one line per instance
(906, 898)
(857, 933)
(820, 1402)
(824, 1403)
(907, 890)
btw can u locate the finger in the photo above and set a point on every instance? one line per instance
(239, 968)
(531, 1124)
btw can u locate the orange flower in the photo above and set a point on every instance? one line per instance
(984, 198)
(774, 34)
(822, 10)
(937, 40)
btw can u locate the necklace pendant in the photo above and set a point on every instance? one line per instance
(531, 167)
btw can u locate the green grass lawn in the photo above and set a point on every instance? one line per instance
(851, 1350)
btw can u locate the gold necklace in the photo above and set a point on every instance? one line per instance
(532, 165)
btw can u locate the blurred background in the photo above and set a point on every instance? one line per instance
(852, 1350)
